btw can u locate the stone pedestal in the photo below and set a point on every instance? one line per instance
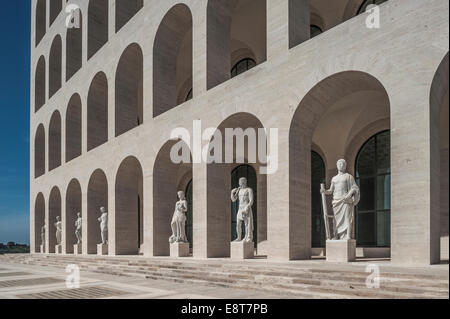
(341, 251)
(77, 249)
(102, 250)
(42, 249)
(242, 250)
(179, 250)
(58, 249)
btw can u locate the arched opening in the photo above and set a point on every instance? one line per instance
(129, 90)
(125, 10)
(73, 207)
(129, 207)
(97, 197)
(249, 173)
(54, 142)
(439, 101)
(74, 49)
(97, 112)
(39, 222)
(172, 60)
(358, 105)
(242, 66)
(39, 84)
(373, 175)
(55, 9)
(243, 131)
(55, 66)
(73, 128)
(39, 151)
(41, 20)
(98, 13)
(235, 28)
(54, 210)
(168, 178)
(318, 233)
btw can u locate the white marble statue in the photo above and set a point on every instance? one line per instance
(245, 214)
(58, 226)
(103, 219)
(43, 235)
(178, 223)
(346, 196)
(78, 228)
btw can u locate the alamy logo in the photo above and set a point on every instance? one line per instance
(262, 146)
(73, 279)
(373, 19)
(73, 19)
(373, 280)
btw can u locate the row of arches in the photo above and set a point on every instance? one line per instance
(236, 42)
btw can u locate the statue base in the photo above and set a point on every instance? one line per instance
(341, 251)
(42, 249)
(102, 249)
(58, 249)
(179, 250)
(77, 249)
(242, 250)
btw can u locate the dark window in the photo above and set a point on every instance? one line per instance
(242, 66)
(373, 175)
(367, 3)
(318, 222)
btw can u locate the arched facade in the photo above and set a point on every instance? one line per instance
(39, 152)
(129, 97)
(172, 60)
(39, 84)
(74, 49)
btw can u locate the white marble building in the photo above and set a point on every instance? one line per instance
(105, 97)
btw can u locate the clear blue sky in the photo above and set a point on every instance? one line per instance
(14, 121)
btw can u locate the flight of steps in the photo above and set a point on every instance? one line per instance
(303, 281)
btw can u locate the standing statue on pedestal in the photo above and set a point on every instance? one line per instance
(43, 235)
(78, 228)
(245, 214)
(103, 219)
(346, 196)
(58, 226)
(179, 220)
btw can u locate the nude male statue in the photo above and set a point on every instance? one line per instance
(346, 196)
(245, 214)
(58, 226)
(78, 228)
(103, 219)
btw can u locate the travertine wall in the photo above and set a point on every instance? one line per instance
(401, 57)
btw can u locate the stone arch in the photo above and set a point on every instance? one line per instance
(55, 66)
(129, 196)
(168, 179)
(73, 206)
(97, 196)
(229, 25)
(98, 16)
(439, 117)
(54, 210)
(172, 59)
(39, 221)
(97, 112)
(219, 184)
(125, 10)
(55, 8)
(74, 49)
(129, 90)
(39, 151)
(73, 128)
(39, 84)
(54, 141)
(41, 20)
(336, 99)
